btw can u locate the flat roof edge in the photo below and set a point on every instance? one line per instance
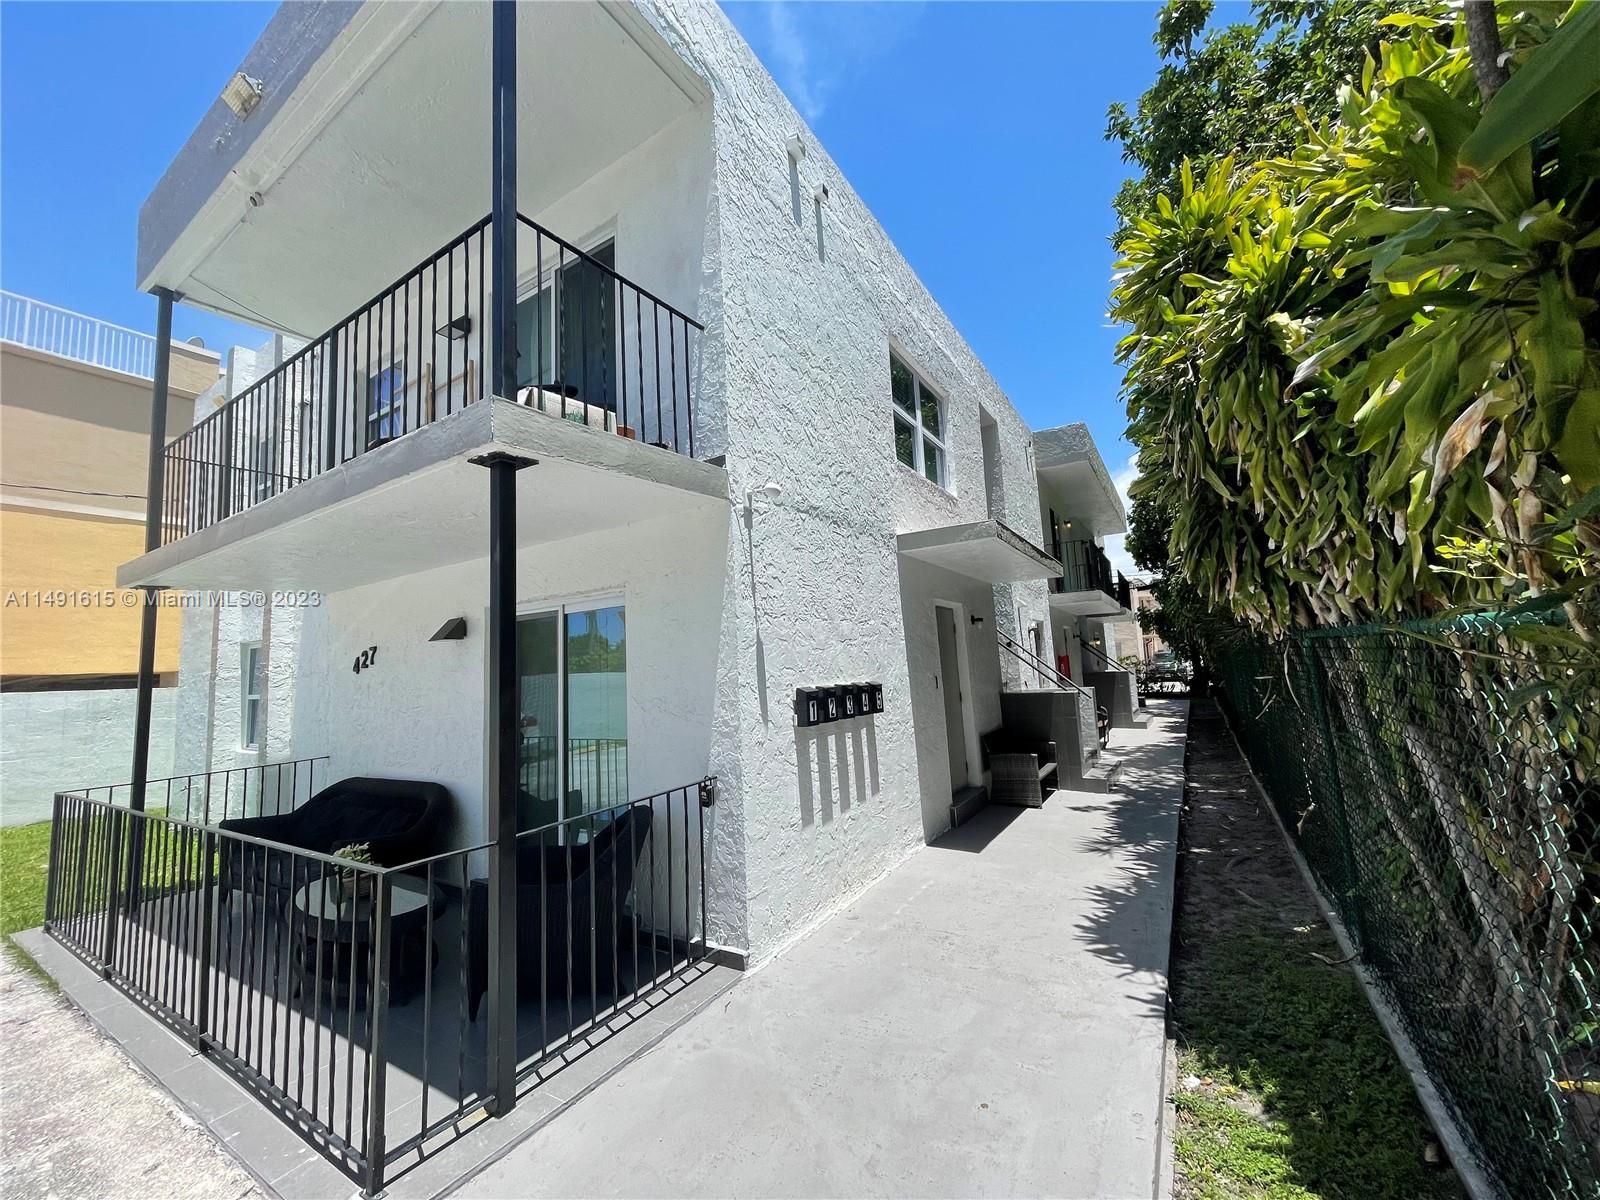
(292, 43)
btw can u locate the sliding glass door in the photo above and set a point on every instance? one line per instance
(573, 688)
(567, 329)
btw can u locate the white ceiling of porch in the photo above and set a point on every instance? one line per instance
(352, 196)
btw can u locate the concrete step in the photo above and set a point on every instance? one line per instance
(1100, 775)
(1141, 718)
(966, 803)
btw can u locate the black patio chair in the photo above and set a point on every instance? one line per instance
(398, 819)
(597, 875)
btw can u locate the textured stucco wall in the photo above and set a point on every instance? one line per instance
(806, 324)
(807, 589)
(74, 739)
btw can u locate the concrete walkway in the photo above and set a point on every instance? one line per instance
(79, 1122)
(987, 1021)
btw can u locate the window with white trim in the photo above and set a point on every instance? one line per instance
(919, 420)
(250, 696)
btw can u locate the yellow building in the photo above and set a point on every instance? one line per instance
(74, 443)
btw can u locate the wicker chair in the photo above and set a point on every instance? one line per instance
(1022, 773)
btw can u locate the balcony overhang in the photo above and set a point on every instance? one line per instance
(418, 503)
(987, 551)
(1075, 483)
(1090, 602)
(370, 144)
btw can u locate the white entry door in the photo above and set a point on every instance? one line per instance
(955, 721)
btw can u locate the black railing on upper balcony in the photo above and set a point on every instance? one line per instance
(1084, 568)
(1124, 592)
(593, 348)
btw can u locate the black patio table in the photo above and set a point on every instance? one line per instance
(335, 921)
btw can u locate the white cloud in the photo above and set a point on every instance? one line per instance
(1115, 551)
(792, 62)
(812, 48)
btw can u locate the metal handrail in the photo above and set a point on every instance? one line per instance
(600, 266)
(417, 352)
(1084, 567)
(1111, 664)
(1029, 659)
(1101, 655)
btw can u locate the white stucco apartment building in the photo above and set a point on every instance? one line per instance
(615, 521)
(792, 473)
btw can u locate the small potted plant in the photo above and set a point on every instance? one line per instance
(353, 884)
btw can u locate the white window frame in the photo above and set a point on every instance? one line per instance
(247, 698)
(921, 435)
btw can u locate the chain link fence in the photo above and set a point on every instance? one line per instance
(1441, 781)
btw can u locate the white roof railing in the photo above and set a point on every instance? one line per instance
(40, 326)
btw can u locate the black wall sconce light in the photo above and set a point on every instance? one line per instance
(461, 327)
(452, 630)
(977, 620)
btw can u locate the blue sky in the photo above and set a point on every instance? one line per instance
(973, 131)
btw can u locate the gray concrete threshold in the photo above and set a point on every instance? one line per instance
(989, 1020)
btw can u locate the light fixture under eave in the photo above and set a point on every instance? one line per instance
(242, 94)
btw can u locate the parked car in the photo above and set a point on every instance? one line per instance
(1166, 672)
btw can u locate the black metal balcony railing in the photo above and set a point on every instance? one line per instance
(1084, 568)
(1124, 592)
(347, 997)
(594, 348)
(266, 789)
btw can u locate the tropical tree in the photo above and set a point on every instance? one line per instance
(1238, 89)
(1365, 377)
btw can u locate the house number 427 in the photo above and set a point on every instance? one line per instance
(365, 659)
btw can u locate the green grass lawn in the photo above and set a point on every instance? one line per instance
(24, 858)
(1287, 1088)
(1299, 1094)
(24, 852)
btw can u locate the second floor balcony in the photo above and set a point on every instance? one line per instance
(1087, 585)
(594, 349)
(345, 208)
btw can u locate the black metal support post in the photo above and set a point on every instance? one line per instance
(501, 746)
(503, 735)
(152, 539)
(148, 610)
(503, 209)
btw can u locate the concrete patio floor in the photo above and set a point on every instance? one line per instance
(988, 1020)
